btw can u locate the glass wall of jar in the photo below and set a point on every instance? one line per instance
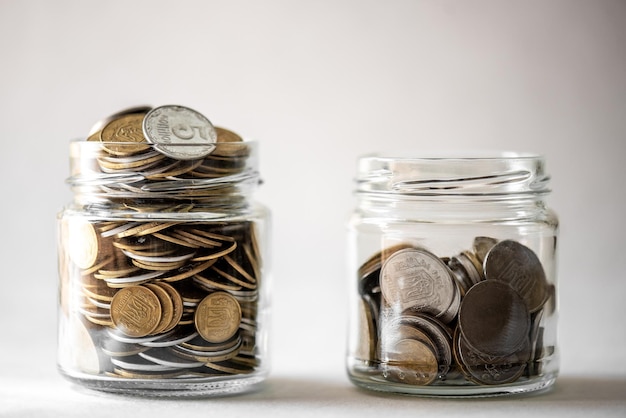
(453, 276)
(163, 263)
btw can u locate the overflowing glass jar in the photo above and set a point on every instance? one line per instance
(163, 258)
(453, 276)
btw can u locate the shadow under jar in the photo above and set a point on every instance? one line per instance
(163, 270)
(453, 276)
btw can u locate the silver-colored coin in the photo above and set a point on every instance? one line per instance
(179, 132)
(167, 358)
(450, 314)
(418, 280)
(518, 266)
(137, 363)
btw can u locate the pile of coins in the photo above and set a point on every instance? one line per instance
(471, 318)
(169, 152)
(162, 294)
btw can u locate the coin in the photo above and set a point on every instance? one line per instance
(179, 132)
(481, 247)
(224, 135)
(418, 280)
(217, 317)
(123, 136)
(177, 304)
(411, 362)
(489, 370)
(97, 127)
(82, 242)
(493, 319)
(136, 311)
(439, 335)
(375, 262)
(518, 266)
(366, 333)
(167, 307)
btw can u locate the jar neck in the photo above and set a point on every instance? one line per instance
(439, 209)
(502, 187)
(147, 182)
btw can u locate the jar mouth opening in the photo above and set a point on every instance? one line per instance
(215, 173)
(448, 156)
(465, 173)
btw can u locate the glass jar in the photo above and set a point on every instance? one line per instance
(453, 276)
(163, 270)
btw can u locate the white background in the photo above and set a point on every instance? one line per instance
(318, 83)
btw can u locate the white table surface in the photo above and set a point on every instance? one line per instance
(46, 394)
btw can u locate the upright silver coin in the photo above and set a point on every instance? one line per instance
(179, 132)
(418, 280)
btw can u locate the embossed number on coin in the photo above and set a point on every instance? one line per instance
(179, 132)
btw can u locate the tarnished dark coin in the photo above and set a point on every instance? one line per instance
(490, 370)
(518, 266)
(418, 280)
(494, 319)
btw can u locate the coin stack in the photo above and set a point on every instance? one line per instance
(139, 157)
(162, 294)
(474, 317)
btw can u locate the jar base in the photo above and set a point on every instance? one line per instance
(376, 382)
(191, 387)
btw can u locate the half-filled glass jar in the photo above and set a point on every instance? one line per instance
(453, 287)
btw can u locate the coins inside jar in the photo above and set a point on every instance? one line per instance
(207, 292)
(161, 292)
(477, 313)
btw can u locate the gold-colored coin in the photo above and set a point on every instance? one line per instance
(124, 135)
(82, 243)
(189, 273)
(217, 317)
(228, 144)
(136, 311)
(411, 362)
(167, 307)
(146, 228)
(177, 304)
(224, 135)
(229, 367)
(97, 127)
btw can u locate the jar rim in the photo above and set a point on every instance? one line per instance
(466, 155)
(474, 173)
